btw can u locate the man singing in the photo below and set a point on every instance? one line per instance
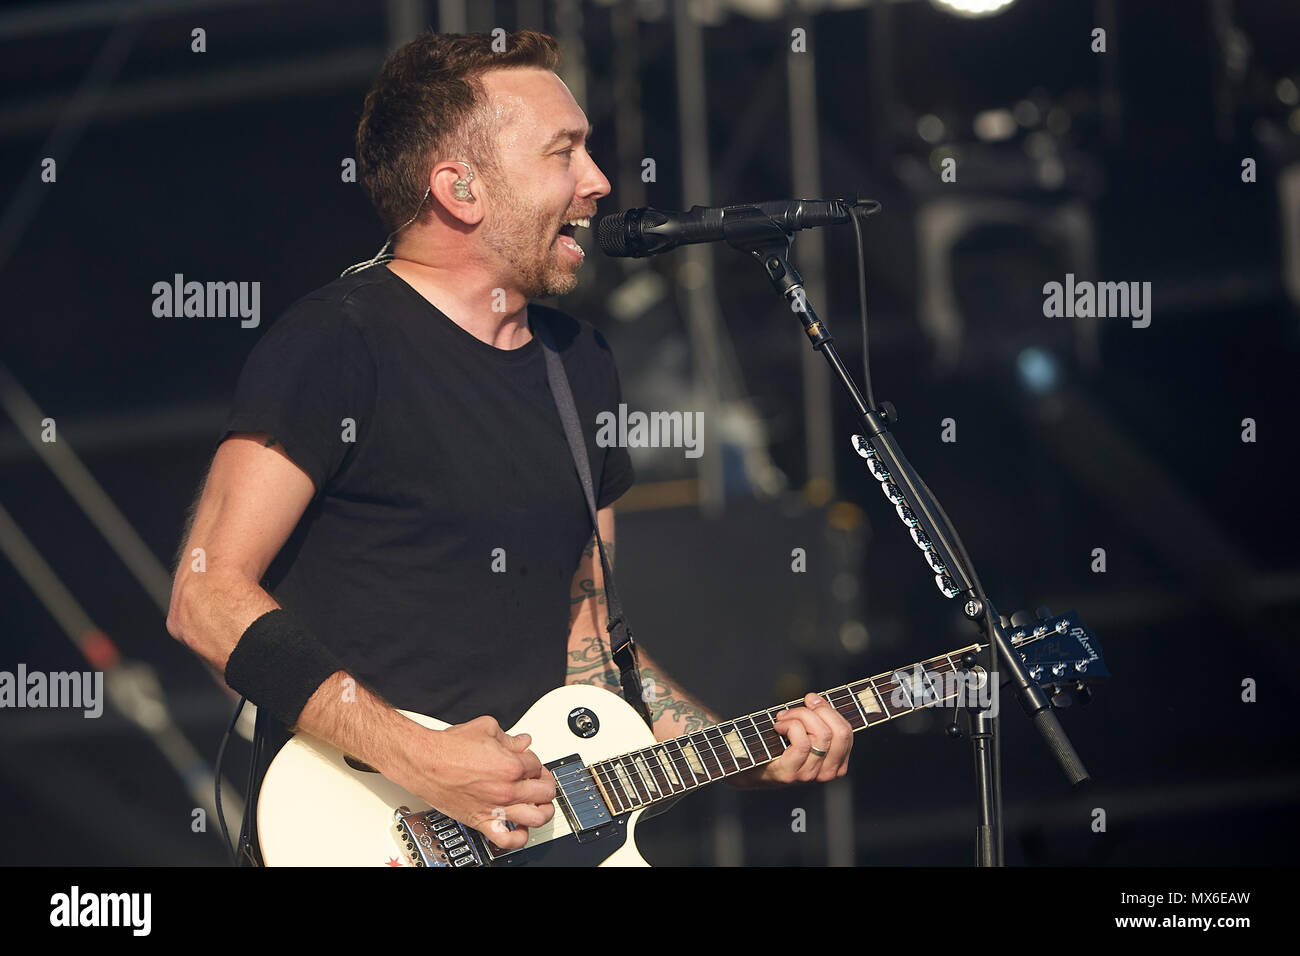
(392, 519)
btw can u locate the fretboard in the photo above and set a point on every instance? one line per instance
(671, 767)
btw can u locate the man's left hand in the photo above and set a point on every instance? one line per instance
(819, 743)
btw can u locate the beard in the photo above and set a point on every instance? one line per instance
(523, 237)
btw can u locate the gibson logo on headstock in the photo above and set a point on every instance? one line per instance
(1077, 634)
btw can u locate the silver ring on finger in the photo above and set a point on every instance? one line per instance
(820, 753)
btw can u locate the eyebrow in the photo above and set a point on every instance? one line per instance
(567, 134)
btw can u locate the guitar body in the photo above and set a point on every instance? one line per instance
(318, 808)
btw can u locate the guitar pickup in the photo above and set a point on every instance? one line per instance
(580, 800)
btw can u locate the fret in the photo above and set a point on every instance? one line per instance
(840, 708)
(681, 762)
(625, 783)
(720, 746)
(868, 700)
(890, 712)
(616, 793)
(693, 758)
(647, 771)
(957, 686)
(708, 754)
(903, 687)
(845, 707)
(630, 796)
(758, 733)
(934, 682)
(779, 742)
(740, 735)
(735, 745)
(639, 786)
(669, 771)
(853, 699)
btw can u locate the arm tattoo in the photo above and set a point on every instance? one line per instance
(589, 590)
(587, 586)
(591, 551)
(590, 664)
(675, 710)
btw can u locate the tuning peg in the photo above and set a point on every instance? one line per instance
(1002, 619)
(1084, 692)
(1043, 613)
(1061, 697)
(1020, 618)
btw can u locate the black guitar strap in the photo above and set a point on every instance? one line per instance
(620, 634)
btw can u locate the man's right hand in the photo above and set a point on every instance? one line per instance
(478, 774)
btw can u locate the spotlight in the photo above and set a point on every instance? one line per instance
(972, 8)
(1038, 370)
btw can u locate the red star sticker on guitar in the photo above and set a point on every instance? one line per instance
(394, 861)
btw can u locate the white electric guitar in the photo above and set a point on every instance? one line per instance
(321, 807)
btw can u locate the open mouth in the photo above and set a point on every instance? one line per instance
(566, 236)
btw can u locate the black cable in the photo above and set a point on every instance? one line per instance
(862, 301)
(962, 556)
(216, 784)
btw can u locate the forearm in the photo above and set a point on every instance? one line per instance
(673, 710)
(210, 615)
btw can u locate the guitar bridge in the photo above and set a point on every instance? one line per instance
(431, 838)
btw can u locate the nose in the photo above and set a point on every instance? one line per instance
(595, 185)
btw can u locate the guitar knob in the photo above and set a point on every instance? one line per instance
(1084, 692)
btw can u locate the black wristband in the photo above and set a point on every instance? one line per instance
(278, 665)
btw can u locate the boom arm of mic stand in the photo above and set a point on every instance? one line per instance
(757, 234)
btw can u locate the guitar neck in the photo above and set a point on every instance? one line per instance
(672, 767)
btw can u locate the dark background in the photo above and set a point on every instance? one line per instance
(225, 165)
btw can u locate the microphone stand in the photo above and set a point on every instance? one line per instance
(753, 231)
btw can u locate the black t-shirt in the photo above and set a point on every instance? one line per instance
(437, 460)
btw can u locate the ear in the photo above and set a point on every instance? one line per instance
(442, 179)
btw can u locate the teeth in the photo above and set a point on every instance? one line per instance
(584, 223)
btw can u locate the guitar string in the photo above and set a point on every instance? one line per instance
(941, 661)
(650, 757)
(847, 708)
(603, 771)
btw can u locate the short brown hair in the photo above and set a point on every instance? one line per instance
(428, 103)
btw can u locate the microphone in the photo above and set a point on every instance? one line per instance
(648, 232)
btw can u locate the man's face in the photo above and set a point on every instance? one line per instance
(549, 179)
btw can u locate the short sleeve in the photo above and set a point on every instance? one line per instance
(310, 382)
(616, 475)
